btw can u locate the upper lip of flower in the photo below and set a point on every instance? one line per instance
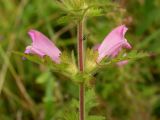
(42, 46)
(116, 42)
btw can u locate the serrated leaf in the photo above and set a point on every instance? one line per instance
(133, 55)
(76, 10)
(72, 115)
(67, 66)
(90, 100)
(90, 60)
(66, 19)
(71, 111)
(94, 12)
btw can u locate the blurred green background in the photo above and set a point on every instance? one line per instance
(32, 92)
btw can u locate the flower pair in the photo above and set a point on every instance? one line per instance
(110, 47)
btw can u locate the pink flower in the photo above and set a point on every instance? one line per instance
(42, 46)
(113, 43)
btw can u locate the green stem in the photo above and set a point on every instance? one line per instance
(81, 69)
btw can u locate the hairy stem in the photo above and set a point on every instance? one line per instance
(81, 68)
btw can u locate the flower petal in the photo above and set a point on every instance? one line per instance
(41, 46)
(32, 50)
(113, 43)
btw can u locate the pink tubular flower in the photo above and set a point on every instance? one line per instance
(42, 46)
(113, 43)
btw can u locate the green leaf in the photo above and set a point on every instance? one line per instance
(33, 58)
(90, 60)
(90, 100)
(48, 99)
(67, 66)
(71, 111)
(94, 12)
(43, 77)
(72, 115)
(76, 10)
(67, 18)
(94, 117)
(133, 55)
